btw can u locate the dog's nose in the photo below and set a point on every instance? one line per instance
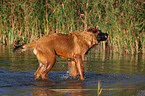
(106, 35)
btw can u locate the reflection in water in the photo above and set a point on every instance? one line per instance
(113, 70)
(114, 63)
(95, 61)
(46, 88)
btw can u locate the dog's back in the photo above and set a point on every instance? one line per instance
(72, 47)
(64, 45)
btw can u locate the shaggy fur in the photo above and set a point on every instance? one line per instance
(72, 47)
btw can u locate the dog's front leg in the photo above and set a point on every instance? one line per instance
(78, 60)
(72, 68)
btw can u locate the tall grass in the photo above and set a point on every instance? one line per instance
(31, 19)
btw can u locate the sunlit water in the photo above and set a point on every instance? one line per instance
(119, 75)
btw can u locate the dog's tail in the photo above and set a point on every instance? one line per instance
(19, 46)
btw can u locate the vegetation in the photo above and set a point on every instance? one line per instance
(99, 88)
(124, 20)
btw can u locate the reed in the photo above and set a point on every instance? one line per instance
(31, 19)
(99, 88)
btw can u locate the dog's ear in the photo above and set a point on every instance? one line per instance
(97, 31)
(91, 29)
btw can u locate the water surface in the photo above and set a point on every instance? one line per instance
(119, 75)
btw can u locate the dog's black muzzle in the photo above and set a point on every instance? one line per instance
(102, 37)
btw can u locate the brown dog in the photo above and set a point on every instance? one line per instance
(72, 47)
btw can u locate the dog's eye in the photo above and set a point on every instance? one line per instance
(99, 34)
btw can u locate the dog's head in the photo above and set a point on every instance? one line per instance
(100, 36)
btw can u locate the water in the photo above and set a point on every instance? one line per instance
(119, 75)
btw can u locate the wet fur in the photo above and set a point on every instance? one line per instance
(72, 47)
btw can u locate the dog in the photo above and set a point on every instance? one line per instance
(72, 47)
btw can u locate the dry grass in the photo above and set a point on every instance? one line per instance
(30, 19)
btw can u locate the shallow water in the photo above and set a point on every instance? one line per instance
(119, 75)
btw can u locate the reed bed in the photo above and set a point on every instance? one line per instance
(28, 20)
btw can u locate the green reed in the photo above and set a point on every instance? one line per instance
(31, 19)
(99, 88)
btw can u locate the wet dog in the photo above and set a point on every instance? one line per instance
(71, 47)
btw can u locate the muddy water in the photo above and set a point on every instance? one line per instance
(119, 75)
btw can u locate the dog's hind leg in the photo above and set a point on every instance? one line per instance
(38, 72)
(48, 65)
(72, 68)
(46, 61)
